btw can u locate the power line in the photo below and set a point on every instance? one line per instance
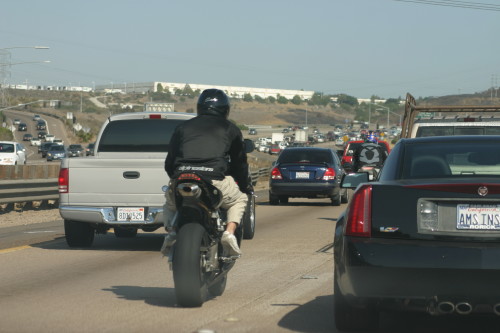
(457, 4)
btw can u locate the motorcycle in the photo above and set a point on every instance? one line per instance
(372, 171)
(198, 261)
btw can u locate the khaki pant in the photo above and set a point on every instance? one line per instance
(233, 200)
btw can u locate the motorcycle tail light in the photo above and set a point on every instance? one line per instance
(276, 174)
(359, 216)
(329, 174)
(190, 176)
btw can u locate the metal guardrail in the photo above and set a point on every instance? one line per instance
(26, 190)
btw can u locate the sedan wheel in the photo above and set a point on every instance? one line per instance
(348, 318)
(344, 197)
(273, 199)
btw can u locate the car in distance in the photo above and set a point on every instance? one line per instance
(12, 153)
(27, 137)
(56, 152)
(49, 137)
(424, 237)
(89, 150)
(252, 131)
(36, 117)
(351, 146)
(44, 148)
(306, 172)
(16, 121)
(75, 150)
(22, 127)
(41, 125)
(42, 134)
(35, 142)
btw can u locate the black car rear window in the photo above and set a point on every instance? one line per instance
(305, 156)
(451, 159)
(138, 135)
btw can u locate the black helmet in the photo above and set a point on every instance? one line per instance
(214, 102)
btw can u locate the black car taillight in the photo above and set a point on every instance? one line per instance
(359, 216)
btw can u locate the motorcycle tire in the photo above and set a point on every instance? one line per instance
(249, 219)
(190, 280)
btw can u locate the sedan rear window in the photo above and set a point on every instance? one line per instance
(138, 135)
(305, 156)
(453, 159)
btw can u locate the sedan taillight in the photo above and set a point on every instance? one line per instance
(276, 174)
(63, 180)
(329, 174)
(359, 216)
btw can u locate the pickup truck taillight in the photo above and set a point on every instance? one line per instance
(359, 216)
(63, 180)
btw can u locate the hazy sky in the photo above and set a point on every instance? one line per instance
(357, 47)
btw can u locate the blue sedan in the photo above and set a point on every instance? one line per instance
(307, 172)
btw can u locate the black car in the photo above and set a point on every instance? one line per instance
(307, 172)
(42, 134)
(22, 127)
(27, 137)
(89, 150)
(44, 147)
(424, 237)
(75, 150)
(41, 125)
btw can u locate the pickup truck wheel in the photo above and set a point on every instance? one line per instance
(78, 234)
(124, 232)
(248, 219)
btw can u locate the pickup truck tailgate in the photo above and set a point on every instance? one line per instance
(115, 181)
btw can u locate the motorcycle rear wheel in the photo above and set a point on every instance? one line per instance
(190, 280)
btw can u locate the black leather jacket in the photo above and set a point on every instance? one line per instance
(211, 146)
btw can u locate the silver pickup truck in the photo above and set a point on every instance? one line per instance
(120, 186)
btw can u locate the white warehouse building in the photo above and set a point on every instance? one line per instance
(232, 91)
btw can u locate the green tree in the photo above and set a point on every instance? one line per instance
(247, 97)
(346, 99)
(159, 88)
(282, 99)
(296, 100)
(259, 99)
(271, 99)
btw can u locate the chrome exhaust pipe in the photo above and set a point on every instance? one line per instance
(496, 309)
(446, 307)
(463, 308)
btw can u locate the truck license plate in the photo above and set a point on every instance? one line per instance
(130, 214)
(478, 217)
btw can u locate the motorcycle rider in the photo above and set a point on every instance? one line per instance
(370, 153)
(211, 146)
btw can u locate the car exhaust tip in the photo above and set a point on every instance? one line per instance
(446, 307)
(496, 309)
(463, 308)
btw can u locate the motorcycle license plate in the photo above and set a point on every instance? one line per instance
(130, 214)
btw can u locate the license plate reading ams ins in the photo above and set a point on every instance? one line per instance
(478, 217)
(302, 175)
(130, 214)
